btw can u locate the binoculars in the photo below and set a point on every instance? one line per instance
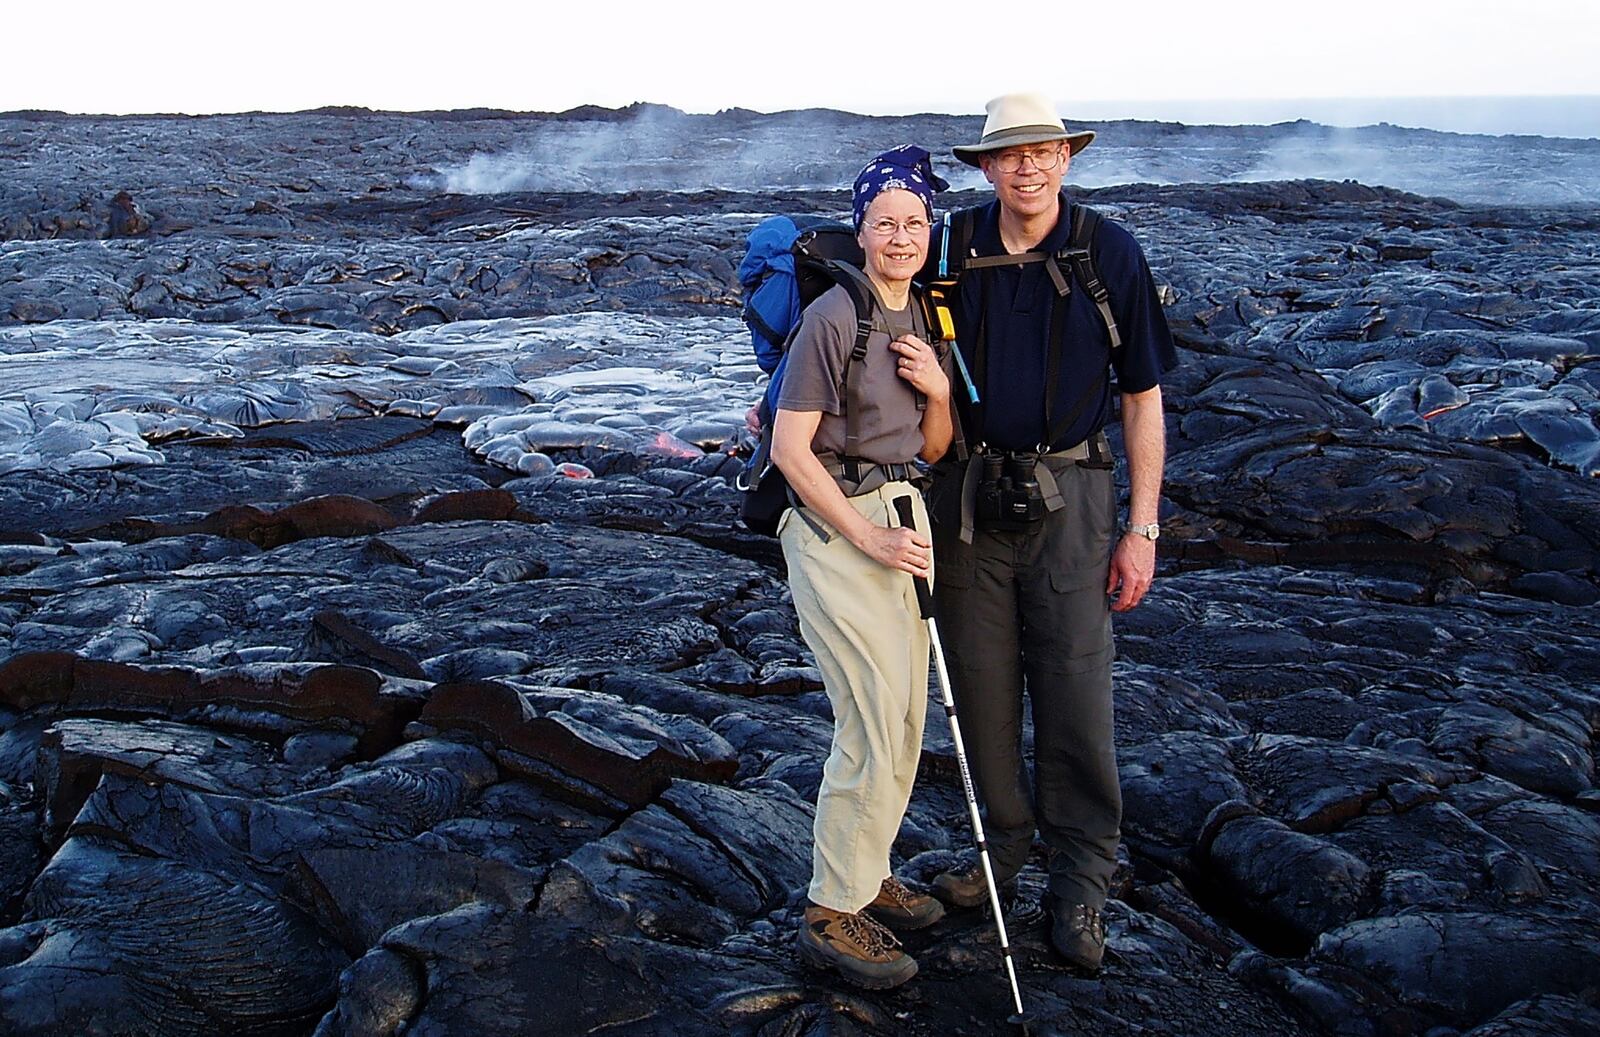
(1008, 491)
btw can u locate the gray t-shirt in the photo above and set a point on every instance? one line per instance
(890, 423)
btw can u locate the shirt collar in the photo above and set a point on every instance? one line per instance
(986, 238)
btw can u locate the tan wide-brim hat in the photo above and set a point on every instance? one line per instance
(1022, 119)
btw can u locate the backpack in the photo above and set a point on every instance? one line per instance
(950, 257)
(789, 262)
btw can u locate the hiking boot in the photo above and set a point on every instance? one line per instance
(1079, 934)
(859, 949)
(966, 887)
(899, 908)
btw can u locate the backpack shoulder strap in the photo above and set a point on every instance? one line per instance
(856, 285)
(1080, 254)
(859, 289)
(1085, 221)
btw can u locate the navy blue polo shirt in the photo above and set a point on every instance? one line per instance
(1019, 301)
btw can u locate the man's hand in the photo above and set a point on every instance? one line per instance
(1133, 566)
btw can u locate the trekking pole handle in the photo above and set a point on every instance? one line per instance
(908, 519)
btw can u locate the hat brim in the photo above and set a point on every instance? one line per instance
(971, 153)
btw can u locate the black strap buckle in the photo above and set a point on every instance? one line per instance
(863, 329)
(1079, 258)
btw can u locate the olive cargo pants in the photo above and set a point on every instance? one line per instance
(1028, 611)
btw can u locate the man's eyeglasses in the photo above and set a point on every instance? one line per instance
(886, 227)
(1043, 159)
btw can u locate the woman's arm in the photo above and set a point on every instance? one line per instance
(895, 547)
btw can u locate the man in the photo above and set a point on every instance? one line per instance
(1023, 531)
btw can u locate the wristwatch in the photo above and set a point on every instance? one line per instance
(1149, 532)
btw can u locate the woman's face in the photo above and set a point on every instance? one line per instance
(894, 235)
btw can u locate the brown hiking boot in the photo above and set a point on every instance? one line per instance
(1078, 933)
(966, 887)
(856, 947)
(899, 908)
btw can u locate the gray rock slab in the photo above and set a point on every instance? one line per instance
(1432, 856)
(1299, 883)
(1316, 785)
(619, 763)
(255, 966)
(625, 983)
(1551, 1015)
(1171, 784)
(1437, 962)
(74, 754)
(271, 599)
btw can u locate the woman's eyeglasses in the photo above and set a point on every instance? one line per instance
(886, 227)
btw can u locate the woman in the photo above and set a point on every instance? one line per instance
(850, 566)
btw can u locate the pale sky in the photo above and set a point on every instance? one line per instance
(864, 55)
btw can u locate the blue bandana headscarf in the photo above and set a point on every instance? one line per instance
(907, 167)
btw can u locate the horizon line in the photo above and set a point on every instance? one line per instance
(617, 113)
(1085, 102)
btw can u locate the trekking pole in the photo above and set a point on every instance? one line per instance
(902, 507)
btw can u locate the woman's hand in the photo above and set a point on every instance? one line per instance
(898, 548)
(919, 365)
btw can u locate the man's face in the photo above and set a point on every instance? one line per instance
(1027, 190)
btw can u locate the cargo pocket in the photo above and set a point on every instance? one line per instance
(1077, 558)
(1079, 621)
(1079, 537)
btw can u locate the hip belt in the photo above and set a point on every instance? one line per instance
(874, 476)
(868, 476)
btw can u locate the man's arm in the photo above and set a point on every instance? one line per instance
(1133, 565)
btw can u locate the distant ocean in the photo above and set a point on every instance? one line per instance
(1568, 116)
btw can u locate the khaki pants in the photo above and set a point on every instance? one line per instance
(861, 621)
